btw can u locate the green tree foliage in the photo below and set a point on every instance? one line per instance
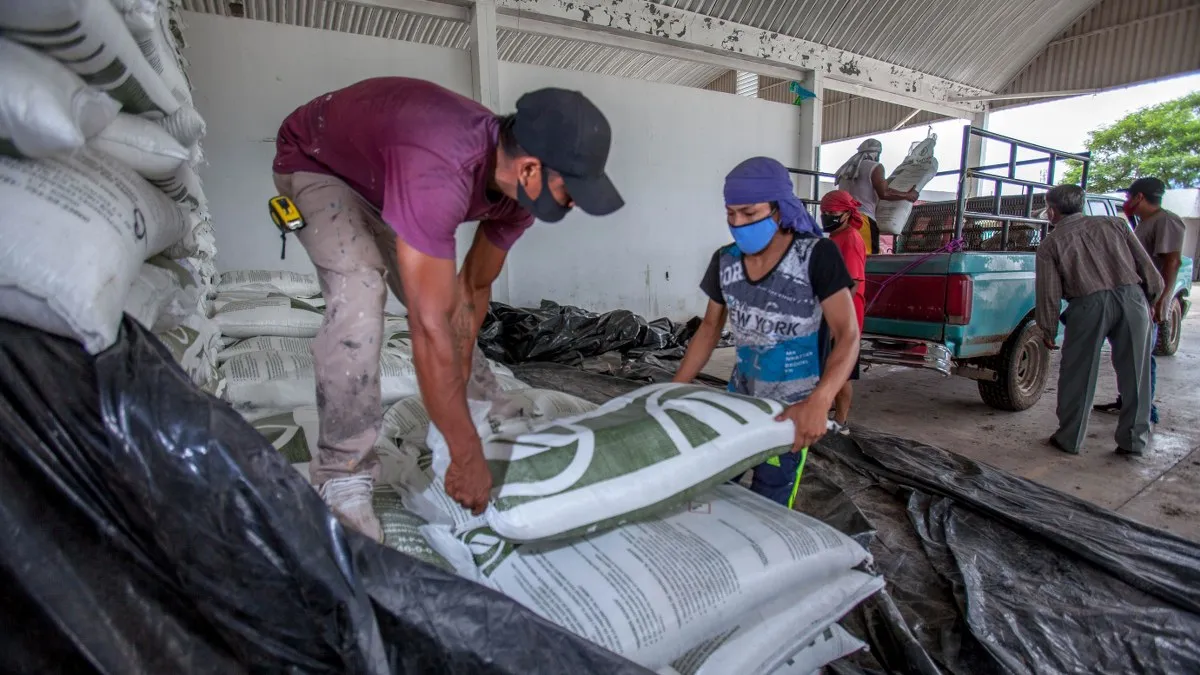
(1162, 140)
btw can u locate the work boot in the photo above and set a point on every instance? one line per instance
(350, 500)
(1115, 408)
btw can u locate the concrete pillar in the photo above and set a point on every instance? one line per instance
(485, 77)
(975, 154)
(810, 128)
(485, 88)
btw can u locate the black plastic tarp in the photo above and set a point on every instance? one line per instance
(148, 529)
(986, 572)
(567, 334)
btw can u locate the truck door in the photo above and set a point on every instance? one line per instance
(1099, 207)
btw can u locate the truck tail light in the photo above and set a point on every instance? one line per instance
(959, 291)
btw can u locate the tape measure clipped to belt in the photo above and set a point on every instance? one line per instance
(286, 217)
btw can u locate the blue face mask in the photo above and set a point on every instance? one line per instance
(754, 237)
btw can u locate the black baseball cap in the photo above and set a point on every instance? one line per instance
(1150, 187)
(570, 135)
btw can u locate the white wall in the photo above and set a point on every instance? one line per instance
(672, 147)
(248, 76)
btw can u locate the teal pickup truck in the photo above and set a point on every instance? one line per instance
(958, 295)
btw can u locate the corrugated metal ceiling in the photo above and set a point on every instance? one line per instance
(982, 43)
(1117, 42)
(1028, 45)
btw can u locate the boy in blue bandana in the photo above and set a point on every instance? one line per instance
(775, 285)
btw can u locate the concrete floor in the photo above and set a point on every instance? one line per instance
(1161, 488)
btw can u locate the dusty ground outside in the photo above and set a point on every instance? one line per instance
(1161, 488)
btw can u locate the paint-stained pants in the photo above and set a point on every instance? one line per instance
(1121, 316)
(354, 252)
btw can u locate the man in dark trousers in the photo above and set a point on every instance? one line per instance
(1109, 282)
(1161, 234)
(384, 172)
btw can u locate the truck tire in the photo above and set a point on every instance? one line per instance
(1021, 367)
(1169, 330)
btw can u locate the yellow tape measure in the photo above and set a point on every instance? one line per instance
(286, 217)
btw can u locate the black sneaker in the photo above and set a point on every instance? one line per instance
(1110, 408)
(1123, 451)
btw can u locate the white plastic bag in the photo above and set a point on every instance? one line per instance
(45, 109)
(91, 38)
(73, 234)
(143, 145)
(917, 169)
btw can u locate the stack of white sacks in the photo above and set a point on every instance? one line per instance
(617, 523)
(103, 213)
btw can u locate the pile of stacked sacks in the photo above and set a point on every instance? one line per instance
(99, 141)
(618, 523)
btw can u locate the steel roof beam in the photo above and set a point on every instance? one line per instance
(704, 36)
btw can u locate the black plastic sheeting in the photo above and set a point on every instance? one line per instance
(148, 529)
(987, 572)
(618, 343)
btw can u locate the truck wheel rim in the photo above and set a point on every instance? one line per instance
(1029, 367)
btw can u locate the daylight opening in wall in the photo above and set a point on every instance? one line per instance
(747, 84)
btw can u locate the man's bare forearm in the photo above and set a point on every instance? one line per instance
(443, 381)
(1170, 273)
(468, 317)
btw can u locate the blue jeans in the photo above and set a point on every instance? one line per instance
(778, 478)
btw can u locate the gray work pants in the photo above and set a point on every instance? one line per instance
(354, 252)
(1121, 316)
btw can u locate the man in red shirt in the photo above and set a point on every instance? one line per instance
(842, 221)
(384, 172)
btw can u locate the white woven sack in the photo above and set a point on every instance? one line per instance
(45, 109)
(292, 284)
(272, 315)
(278, 381)
(653, 590)
(143, 145)
(914, 173)
(634, 455)
(795, 630)
(158, 47)
(162, 295)
(91, 38)
(73, 235)
(183, 187)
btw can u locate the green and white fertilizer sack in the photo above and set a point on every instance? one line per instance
(73, 234)
(917, 169)
(280, 381)
(45, 109)
(292, 433)
(292, 284)
(631, 457)
(194, 343)
(402, 529)
(91, 38)
(654, 590)
(392, 344)
(408, 421)
(273, 315)
(795, 632)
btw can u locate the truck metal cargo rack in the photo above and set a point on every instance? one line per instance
(997, 222)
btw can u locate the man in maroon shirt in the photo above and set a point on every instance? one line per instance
(384, 172)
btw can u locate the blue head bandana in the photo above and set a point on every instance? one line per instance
(762, 179)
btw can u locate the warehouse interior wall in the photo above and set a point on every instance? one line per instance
(672, 147)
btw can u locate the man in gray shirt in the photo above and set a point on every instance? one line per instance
(1108, 281)
(1161, 234)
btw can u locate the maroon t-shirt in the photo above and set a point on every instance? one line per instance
(420, 153)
